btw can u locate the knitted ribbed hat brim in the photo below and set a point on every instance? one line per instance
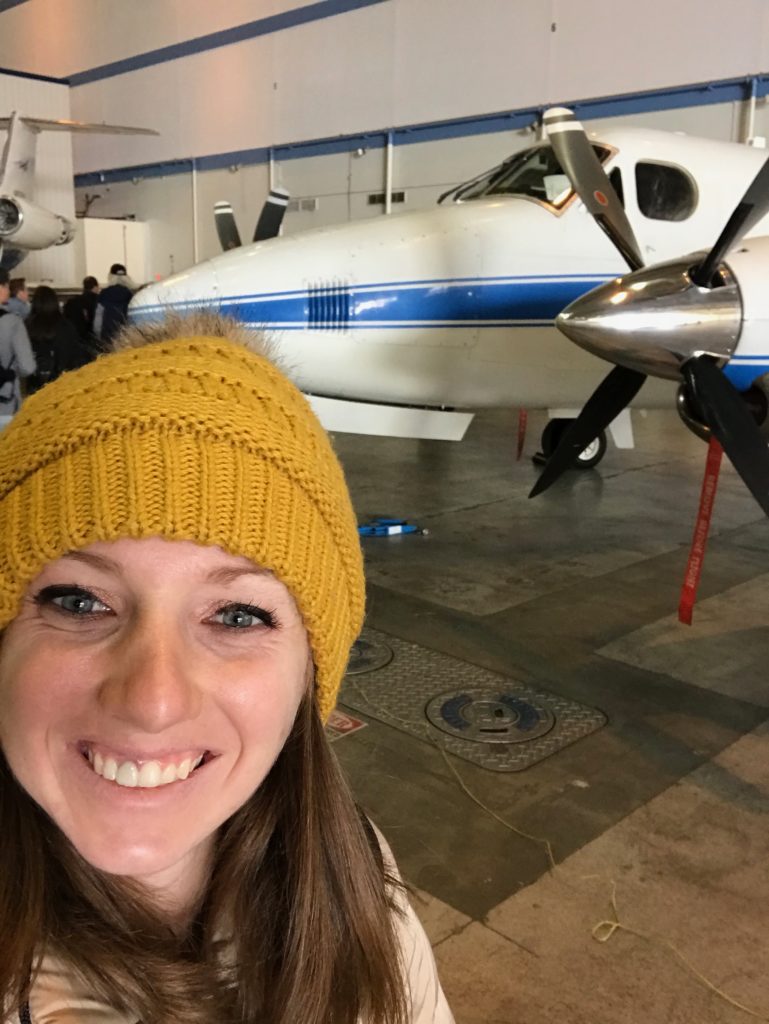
(195, 439)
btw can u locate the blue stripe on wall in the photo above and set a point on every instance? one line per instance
(237, 34)
(700, 94)
(33, 76)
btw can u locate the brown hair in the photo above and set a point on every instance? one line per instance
(17, 284)
(297, 922)
(297, 888)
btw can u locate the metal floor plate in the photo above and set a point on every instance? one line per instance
(436, 698)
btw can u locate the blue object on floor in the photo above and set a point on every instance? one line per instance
(385, 527)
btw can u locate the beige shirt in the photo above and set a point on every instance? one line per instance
(55, 999)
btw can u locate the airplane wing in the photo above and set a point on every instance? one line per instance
(42, 124)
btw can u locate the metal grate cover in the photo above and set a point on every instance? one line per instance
(368, 654)
(490, 716)
(429, 695)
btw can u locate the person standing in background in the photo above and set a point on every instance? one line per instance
(16, 353)
(112, 308)
(18, 303)
(55, 341)
(81, 309)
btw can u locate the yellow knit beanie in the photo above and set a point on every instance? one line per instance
(193, 439)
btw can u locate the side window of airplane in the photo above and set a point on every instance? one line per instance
(664, 192)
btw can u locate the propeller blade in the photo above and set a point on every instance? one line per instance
(608, 400)
(226, 228)
(732, 424)
(748, 212)
(272, 214)
(577, 157)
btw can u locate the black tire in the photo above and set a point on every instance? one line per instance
(590, 457)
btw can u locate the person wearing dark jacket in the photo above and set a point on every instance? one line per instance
(80, 310)
(55, 341)
(112, 308)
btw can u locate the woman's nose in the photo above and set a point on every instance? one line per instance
(151, 682)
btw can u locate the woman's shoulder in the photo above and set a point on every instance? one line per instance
(57, 998)
(428, 1003)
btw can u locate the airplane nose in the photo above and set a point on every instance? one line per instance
(654, 319)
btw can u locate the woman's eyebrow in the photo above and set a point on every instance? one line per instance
(97, 561)
(227, 574)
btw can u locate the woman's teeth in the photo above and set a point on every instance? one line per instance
(147, 776)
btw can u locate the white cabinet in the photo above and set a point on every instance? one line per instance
(101, 242)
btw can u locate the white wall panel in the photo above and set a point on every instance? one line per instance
(336, 76)
(315, 176)
(457, 59)
(315, 80)
(53, 182)
(603, 47)
(83, 34)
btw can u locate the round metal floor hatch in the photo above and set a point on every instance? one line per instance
(489, 716)
(367, 655)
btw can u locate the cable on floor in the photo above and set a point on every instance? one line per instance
(604, 930)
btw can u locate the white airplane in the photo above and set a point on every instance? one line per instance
(24, 224)
(407, 324)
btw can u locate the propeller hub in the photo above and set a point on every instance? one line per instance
(654, 319)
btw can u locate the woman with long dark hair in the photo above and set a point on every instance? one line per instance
(55, 341)
(180, 584)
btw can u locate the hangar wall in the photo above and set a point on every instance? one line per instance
(246, 81)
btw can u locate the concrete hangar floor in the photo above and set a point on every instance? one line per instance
(655, 793)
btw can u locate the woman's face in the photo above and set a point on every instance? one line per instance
(131, 664)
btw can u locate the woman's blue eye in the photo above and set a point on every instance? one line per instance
(72, 600)
(243, 616)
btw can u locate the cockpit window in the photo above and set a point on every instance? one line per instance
(534, 172)
(664, 192)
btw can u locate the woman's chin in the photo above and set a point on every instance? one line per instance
(153, 860)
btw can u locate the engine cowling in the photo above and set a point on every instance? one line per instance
(32, 227)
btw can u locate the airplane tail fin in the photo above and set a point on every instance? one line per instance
(17, 170)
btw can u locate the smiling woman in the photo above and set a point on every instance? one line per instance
(180, 584)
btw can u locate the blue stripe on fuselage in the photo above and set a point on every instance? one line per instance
(434, 304)
(491, 302)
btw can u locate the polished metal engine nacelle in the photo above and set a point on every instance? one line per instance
(656, 318)
(29, 226)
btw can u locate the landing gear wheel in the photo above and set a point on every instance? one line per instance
(593, 454)
(551, 438)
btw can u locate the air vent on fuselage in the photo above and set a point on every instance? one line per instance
(328, 306)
